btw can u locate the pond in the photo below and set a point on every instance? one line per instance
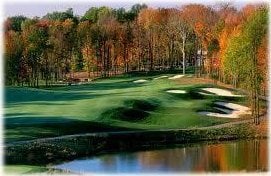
(231, 156)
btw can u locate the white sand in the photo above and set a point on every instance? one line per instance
(213, 114)
(221, 92)
(203, 93)
(236, 112)
(176, 77)
(177, 91)
(140, 81)
(160, 77)
(233, 106)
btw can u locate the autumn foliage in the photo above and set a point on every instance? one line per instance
(106, 41)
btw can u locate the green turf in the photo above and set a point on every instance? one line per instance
(30, 169)
(104, 105)
(24, 169)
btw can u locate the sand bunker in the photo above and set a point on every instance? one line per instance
(140, 81)
(161, 77)
(220, 92)
(203, 93)
(176, 77)
(231, 110)
(177, 91)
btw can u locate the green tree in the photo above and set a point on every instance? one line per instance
(94, 13)
(61, 16)
(16, 22)
(241, 60)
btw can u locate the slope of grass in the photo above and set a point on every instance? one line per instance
(105, 105)
(30, 169)
(24, 169)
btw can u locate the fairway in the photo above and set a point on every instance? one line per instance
(108, 105)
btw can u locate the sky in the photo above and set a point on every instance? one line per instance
(41, 8)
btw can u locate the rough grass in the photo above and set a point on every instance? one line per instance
(106, 105)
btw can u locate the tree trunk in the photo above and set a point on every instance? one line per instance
(183, 52)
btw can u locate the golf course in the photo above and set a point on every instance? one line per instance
(107, 105)
(117, 104)
(142, 88)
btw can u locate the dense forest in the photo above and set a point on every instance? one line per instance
(221, 42)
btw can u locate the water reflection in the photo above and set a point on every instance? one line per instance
(234, 156)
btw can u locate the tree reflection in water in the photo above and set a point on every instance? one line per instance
(231, 156)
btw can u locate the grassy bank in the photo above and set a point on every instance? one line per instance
(55, 150)
(30, 169)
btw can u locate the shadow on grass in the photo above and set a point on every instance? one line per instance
(16, 114)
(18, 95)
(26, 128)
(99, 86)
(133, 111)
(152, 73)
(125, 114)
(191, 93)
(15, 99)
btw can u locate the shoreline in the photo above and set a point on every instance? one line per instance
(66, 148)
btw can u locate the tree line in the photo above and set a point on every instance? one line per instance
(220, 42)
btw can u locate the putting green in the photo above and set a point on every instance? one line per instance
(111, 104)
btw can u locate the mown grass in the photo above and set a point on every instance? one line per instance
(112, 104)
(24, 169)
(30, 169)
